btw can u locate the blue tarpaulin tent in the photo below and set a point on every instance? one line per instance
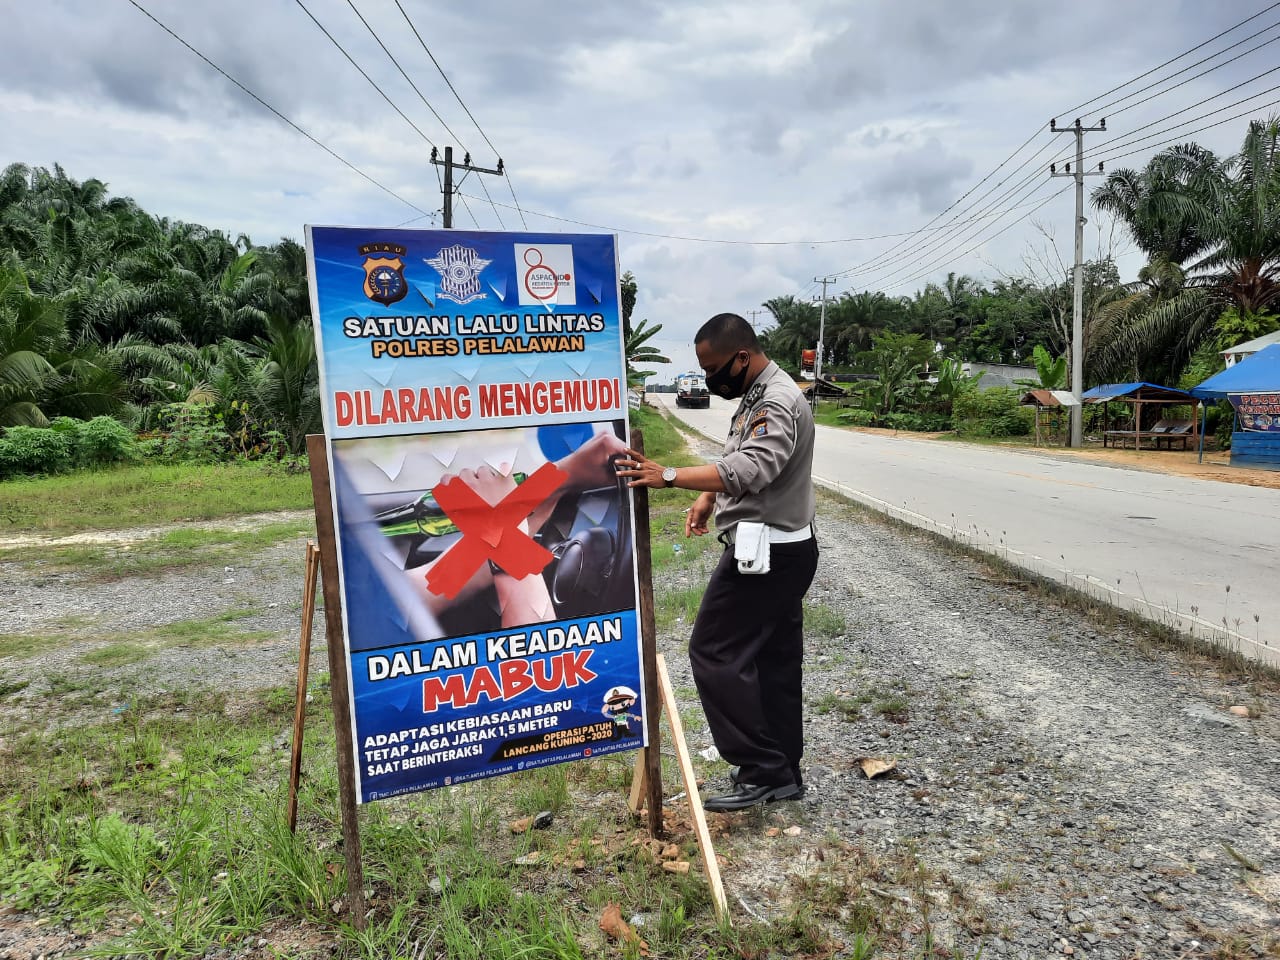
(1136, 391)
(1256, 374)
(1139, 394)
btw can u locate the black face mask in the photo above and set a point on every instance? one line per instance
(728, 385)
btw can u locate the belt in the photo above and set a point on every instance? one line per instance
(776, 535)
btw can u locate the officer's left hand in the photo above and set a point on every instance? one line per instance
(640, 472)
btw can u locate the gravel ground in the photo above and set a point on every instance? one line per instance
(1064, 785)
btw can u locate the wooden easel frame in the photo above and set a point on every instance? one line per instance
(309, 579)
(646, 788)
(639, 791)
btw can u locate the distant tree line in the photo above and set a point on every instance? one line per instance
(1208, 226)
(106, 309)
(167, 326)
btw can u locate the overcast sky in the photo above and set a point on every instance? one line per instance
(748, 121)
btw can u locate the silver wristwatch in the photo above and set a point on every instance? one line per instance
(669, 475)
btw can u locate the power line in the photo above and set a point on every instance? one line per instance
(351, 60)
(1182, 123)
(343, 160)
(937, 242)
(425, 102)
(743, 243)
(871, 264)
(956, 240)
(393, 59)
(1180, 83)
(932, 267)
(1210, 126)
(465, 108)
(956, 227)
(1079, 106)
(879, 261)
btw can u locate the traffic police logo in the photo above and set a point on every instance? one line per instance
(384, 281)
(459, 268)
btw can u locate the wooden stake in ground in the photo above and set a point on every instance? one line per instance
(339, 682)
(646, 785)
(304, 667)
(696, 813)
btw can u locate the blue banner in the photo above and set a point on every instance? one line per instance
(474, 396)
(1257, 412)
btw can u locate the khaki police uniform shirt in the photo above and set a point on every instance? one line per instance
(767, 466)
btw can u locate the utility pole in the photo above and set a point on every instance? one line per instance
(449, 167)
(754, 314)
(822, 329)
(1077, 307)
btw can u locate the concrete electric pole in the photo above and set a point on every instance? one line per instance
(822, 329)
(449, 167)
(1077, 307)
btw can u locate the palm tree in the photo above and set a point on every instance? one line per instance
(1230, 217)
(795, 329)
(31, 328)
(639, 351)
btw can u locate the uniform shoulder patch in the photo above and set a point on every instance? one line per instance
(759, 425)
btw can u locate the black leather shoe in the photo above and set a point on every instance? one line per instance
(735, 774)
(744, 795)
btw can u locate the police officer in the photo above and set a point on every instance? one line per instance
(747, 641)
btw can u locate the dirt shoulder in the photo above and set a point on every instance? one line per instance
(1063, 786)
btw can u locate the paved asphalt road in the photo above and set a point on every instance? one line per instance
(1179, 550)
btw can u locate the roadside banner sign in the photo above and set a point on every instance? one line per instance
(475, 400)
(1258, 412)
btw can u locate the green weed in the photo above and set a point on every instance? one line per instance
(823, 622)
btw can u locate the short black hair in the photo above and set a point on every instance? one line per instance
(727, 332)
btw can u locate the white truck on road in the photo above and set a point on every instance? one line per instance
(691, 390)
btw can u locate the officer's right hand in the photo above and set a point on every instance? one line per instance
(695, 520)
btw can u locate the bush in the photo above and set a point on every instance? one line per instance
(105, 440)
(36, 450)
(919, 422)
(856, 417)
(194, 432)
(992, 413)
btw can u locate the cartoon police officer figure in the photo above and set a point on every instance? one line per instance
(617, 702)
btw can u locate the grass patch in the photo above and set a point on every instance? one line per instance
(663, 439)
(223, 628)
(674, 608)
(177, 549)
(117, 654)
(148, 494)
(171, 815)
(823, 621)
(22, 644)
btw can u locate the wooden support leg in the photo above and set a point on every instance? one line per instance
(304, 666)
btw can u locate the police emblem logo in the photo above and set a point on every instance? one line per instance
(459, 268)
(384, 280)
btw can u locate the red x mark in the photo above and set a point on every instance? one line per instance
(490, 531)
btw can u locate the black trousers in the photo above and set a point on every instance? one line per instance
(746, 651)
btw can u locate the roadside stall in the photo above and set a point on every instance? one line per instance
(1252, 386)
(1164, 432)
(1056, 400)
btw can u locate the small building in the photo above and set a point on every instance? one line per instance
(1253, 388)
(826, 389)
(999, 374)
(1237, 353)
